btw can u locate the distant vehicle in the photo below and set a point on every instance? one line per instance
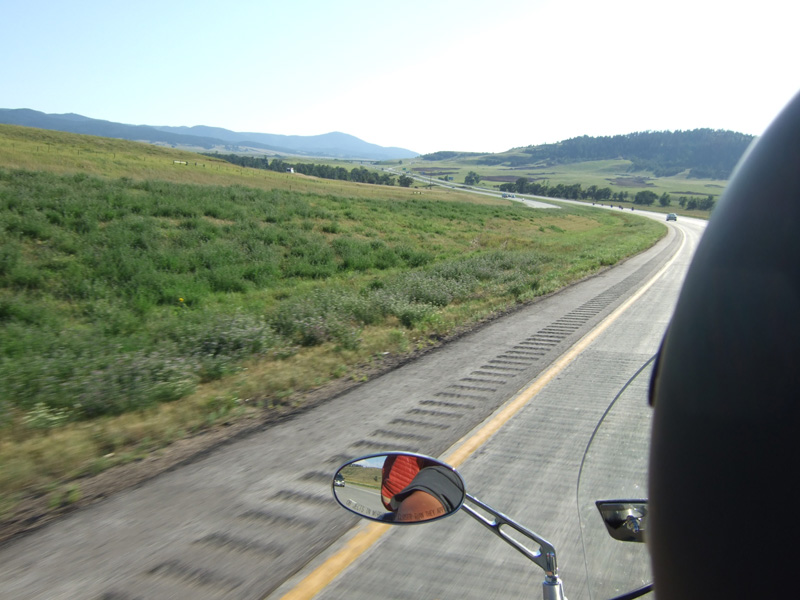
(672, 217)
(338, 480)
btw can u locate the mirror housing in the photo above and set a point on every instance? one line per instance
(399, 487)
(625, 520)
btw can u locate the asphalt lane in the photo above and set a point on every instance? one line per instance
(529, 471)
(246, 519)
(366, 501)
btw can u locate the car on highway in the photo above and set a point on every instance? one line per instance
(338, 480)
(672, 217)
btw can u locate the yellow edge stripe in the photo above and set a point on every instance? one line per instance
(314, 583)
(320, 577)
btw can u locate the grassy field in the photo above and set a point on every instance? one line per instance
(143, 300)
(57, 152)
(362, 476)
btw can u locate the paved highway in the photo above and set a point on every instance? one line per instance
(529, 470)
(253, 518)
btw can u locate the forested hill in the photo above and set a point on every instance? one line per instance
(705, 153)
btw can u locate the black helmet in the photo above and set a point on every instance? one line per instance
(725, 453)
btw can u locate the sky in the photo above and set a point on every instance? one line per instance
(425, 75)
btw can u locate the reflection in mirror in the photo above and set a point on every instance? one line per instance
(626, 520)
(399, 487)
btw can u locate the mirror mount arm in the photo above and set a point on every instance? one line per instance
(544, 557)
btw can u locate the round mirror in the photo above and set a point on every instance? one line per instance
(399, 487)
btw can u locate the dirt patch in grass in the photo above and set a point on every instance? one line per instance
(503, 178)
(510, 178)
(631, 181)
(434, 170)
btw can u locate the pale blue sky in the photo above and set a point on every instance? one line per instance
(423, 75)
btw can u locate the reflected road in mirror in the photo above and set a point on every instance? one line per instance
(399, 488)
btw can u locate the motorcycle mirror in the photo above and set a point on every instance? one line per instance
(399, 487)
(626, 520)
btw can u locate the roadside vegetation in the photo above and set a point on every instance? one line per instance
(143, 300)
(364, 476)
(320, 170)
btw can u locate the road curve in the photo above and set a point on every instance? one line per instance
(244, 521)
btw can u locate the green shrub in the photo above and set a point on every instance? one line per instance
(410, 314)
(10, 254)
(132, 382)
(42, 416)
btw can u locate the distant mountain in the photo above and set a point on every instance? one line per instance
(328, 144)
(200, 137)
(73, 123)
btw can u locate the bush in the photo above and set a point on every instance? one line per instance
(88, 382)
(410, 314)
(42, 416)
(10, 254)
(322, 317)
(132, 382)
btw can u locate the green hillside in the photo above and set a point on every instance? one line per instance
(700, 153)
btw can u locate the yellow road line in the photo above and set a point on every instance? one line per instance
(320, 577)
(470, 445)
(316, 581)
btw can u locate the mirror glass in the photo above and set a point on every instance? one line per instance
(399, 487)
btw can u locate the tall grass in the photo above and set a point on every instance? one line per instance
(116, 295)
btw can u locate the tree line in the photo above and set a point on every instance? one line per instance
(597, 194)
(357, 174)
